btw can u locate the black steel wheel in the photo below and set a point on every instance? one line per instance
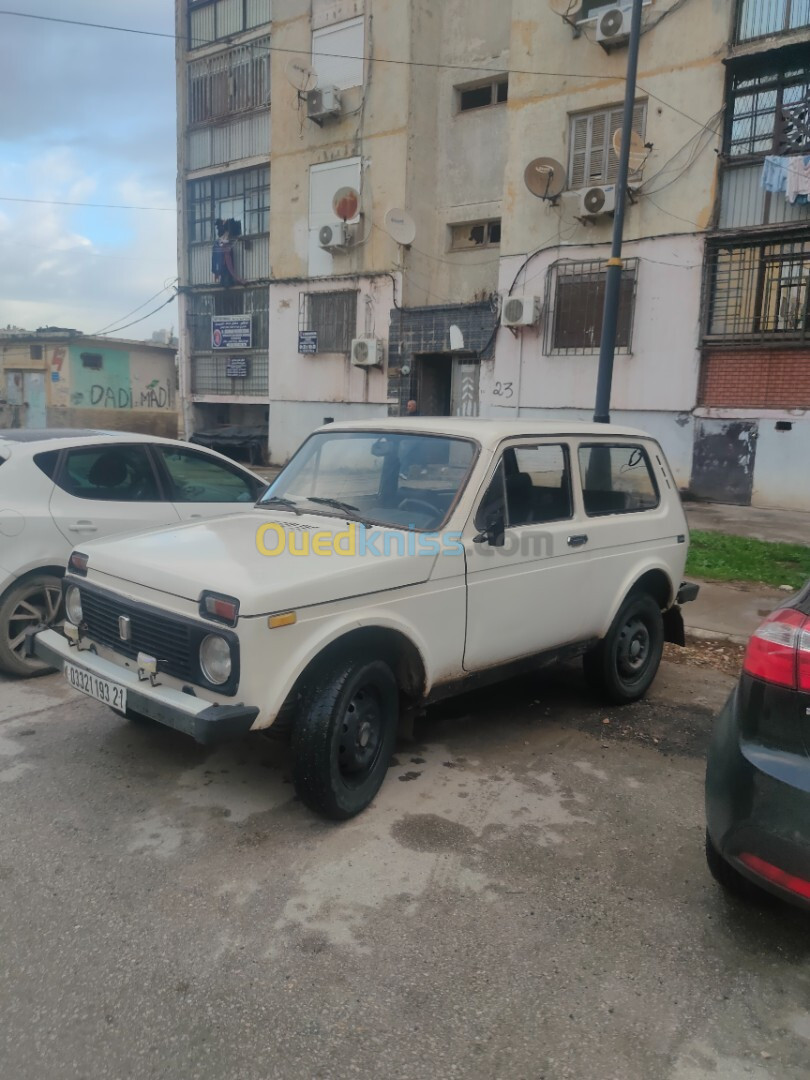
(33, 601)
(623, 665)
(343, 738)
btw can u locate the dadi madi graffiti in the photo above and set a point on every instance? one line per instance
(102, 378)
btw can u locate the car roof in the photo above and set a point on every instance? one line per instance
(31, 441)
(488, 432)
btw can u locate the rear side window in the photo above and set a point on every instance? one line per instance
(616, 480)
(110, 474)
(47, 462)
(197, 478)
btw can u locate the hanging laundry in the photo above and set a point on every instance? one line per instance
(775, 173)
(798, 179)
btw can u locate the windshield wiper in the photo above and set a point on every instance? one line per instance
(288, 504)
(346, 508)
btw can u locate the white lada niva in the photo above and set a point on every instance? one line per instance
(391, 564)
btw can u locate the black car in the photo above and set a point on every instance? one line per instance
(758, 771)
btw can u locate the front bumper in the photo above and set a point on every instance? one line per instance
(758, 803)
(204, 722)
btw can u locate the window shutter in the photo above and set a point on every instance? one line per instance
(598, 148)
(579, 149)
(639, 116)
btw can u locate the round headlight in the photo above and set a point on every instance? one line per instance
(73, 605)
(215, 659)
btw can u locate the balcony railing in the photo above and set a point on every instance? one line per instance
(761, 18)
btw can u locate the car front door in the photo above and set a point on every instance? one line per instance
(530, 593)
(204, 486)
(107, 488)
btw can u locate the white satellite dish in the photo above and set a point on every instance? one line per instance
(400, 226)
(567, 9)
(303, 77)
(638, 151)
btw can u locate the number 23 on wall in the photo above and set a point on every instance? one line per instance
(503, 389)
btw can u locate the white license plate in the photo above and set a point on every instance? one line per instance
(101, 689)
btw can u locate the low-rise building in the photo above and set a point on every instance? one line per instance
(64, 379)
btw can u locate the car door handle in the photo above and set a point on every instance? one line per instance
(577, 541)
(83, 527)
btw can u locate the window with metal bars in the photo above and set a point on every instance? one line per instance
(577, 292)
(243, 196)
(758, 291)
(212, 20)
(332, 315)
(591, 158)
(203, 306)
(229, 82)
(758, 18)
(770, 112)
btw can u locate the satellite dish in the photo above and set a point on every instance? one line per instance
(346, 203)
(567, 9)
(400, 226)
(303, 77)
(545, 177)
(638, 151)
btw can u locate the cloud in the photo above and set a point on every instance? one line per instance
(92, 121)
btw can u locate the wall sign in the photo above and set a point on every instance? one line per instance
(307, 341)
(236, 367)
(231, 332)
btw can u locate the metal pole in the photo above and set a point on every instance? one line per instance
(613, 284)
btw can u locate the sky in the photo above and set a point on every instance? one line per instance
(87, 116)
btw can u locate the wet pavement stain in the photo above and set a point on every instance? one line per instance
(429, 832)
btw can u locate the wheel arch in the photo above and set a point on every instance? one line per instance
(367, 642)
(654, 580)
(35, 571)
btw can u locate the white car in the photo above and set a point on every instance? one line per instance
(388, 565)
(59, 488)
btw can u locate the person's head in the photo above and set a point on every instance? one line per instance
(410, 408)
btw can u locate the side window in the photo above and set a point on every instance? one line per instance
(109, 473)
(538, 484)
(47, 461)
(197, 478)
(616, 480)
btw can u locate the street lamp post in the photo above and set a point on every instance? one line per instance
(613, 285)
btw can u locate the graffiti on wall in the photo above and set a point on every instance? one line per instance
(112, 379)
(101, 396)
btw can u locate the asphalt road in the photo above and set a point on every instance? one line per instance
(526, 899)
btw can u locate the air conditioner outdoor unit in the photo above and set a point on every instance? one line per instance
(612, 25)
(323, 102)
(596, 201)
(520, 310)
(337, 238)
(367, 352)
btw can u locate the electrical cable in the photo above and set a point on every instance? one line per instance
(138, 308)
(126, 326)
(95, 206)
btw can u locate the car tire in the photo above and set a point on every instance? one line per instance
(732, 880)
(623, 665)
(343, 738)
(33, 601)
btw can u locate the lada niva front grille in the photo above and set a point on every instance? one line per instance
(168, 639)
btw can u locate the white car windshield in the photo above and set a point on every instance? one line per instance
(403, 480)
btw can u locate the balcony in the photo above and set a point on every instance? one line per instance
(765, 18)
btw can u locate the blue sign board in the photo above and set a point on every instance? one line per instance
(308, 341)
(231, 332)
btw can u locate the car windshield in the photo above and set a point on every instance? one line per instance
(403, 480)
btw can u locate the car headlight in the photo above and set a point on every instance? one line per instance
(73, 605)
(215, 659)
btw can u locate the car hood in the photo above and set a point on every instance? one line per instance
(223, 556)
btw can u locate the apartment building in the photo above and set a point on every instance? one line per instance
(399, 108)
(420, 203)
(752, 420)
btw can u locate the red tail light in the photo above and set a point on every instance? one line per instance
(773, 873)
(779, 650)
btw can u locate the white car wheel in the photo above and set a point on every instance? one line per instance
(34, 601)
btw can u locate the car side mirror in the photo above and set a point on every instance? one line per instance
(493, 533)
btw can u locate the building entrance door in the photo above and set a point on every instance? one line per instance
(26, 392)
(447, 384)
